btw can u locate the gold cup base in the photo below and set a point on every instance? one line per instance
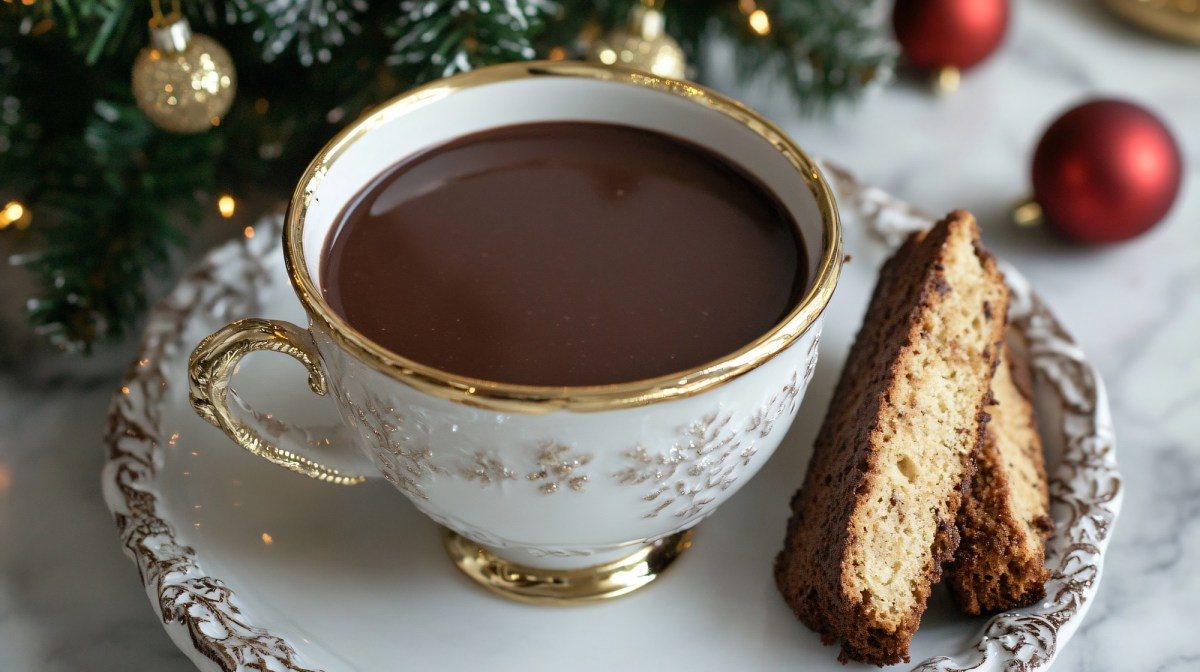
(568, 586)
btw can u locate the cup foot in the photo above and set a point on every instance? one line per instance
(565, 586)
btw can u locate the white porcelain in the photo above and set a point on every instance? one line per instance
(540, 484)
(568, 489)
(252, 567)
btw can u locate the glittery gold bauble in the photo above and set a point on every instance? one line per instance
(183, 82)
(642, 44)
(1179, 19)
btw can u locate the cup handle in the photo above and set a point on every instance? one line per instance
(210, 369)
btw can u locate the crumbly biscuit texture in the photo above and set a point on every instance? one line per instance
(1004, 522)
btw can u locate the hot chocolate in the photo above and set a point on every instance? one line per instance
(564, 254)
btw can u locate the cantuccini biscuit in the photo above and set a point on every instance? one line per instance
(875, 518)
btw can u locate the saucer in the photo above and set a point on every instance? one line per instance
(255, 568)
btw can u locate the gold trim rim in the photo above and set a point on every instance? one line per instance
(528, 399)
(565, 587)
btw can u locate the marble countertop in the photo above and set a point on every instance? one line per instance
(70, 599)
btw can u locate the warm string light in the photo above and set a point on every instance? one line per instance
(226, 205)
(760, 22)
(16, 215)
(11, 213)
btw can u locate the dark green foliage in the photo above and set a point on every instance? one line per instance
(437, 38)
(112, 195)
(114, 201)
(823, 50)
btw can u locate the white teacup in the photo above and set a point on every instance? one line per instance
(549, 493)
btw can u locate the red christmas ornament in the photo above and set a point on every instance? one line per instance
(1105, 171)
(936, 34)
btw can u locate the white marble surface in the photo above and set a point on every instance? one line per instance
(70, 600)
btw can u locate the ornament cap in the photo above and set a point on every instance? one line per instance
(1027, 212)
(171, 33)
(647, 22)
(946, 80)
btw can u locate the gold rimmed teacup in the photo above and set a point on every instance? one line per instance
(559, 487)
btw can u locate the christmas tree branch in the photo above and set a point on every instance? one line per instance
(124, 190)
(437, 38)
(825, 52)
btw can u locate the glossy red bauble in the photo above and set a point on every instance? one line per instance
(1105, 171)
(958, 34)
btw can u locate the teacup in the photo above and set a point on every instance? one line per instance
(548, 494)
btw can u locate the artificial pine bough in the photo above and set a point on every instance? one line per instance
(111, 194)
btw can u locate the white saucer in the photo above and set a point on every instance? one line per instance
(253, 567)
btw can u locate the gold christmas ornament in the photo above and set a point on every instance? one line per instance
(1178, 19)
(183, 82)
(642, 44)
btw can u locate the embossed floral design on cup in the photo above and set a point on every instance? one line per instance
(549, 494)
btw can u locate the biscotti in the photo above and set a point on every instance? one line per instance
(1004, 522)
(875, 518)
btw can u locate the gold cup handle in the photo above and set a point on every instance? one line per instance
(210, 369)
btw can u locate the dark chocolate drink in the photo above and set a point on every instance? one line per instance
(564, 254)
